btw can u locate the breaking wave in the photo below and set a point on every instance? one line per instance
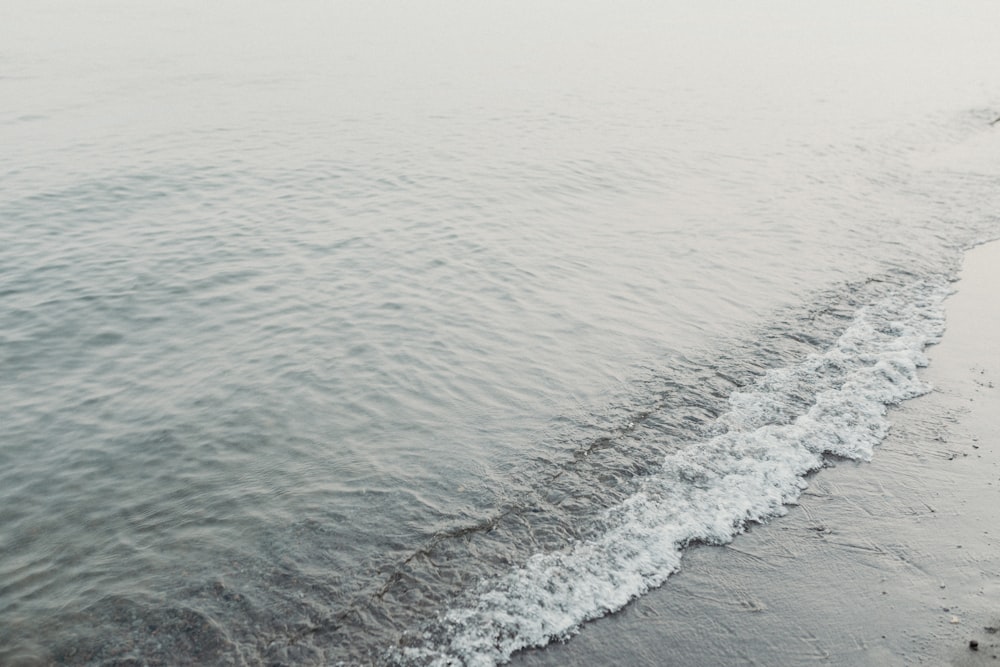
(752, 465)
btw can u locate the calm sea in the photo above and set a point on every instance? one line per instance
(418, 333)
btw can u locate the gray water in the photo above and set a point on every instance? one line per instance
(317, 317)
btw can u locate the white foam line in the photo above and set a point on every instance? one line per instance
(707, 492)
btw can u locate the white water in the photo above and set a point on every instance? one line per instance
(709, 491)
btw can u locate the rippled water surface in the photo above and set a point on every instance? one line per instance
(316, 317)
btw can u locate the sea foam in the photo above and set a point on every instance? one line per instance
(752, 467)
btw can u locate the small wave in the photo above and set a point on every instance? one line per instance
(750, 469)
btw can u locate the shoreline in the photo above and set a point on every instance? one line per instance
(892, 562)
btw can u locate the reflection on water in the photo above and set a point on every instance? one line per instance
(297, 302)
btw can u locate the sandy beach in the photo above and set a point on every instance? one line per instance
(892, 562)
(400, 334)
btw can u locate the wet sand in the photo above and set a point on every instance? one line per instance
(893, 562)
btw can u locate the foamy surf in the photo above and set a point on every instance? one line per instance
(753, 466)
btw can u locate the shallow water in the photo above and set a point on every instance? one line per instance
(319, 320)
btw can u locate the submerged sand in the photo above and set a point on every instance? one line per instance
(893, 562)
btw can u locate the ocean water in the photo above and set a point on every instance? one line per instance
(420, 333)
